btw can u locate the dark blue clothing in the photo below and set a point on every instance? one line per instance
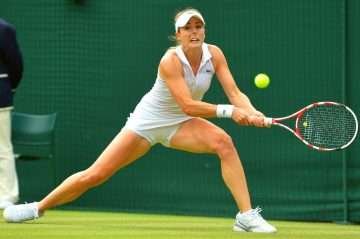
(11, 63)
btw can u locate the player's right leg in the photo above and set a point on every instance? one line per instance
(125, 148)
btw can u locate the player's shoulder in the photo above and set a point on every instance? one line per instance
(169, 57)
(215, 51)
(170, 62)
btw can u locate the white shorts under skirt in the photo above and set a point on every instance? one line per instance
(162, 134)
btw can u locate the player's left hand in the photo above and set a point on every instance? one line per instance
(257, 113)
(257, 121)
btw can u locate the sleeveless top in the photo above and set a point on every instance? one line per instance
(158, 108)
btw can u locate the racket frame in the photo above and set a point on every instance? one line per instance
(296, 130)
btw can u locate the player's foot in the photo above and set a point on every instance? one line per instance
(252, 221)
(21, 212)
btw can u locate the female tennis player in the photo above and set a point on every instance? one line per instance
(172, 113)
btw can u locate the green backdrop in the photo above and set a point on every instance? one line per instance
(92, 62)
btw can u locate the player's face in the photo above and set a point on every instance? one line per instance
(192, 34)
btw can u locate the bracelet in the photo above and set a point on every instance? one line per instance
(224, 111)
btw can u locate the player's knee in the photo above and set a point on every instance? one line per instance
(222, 143)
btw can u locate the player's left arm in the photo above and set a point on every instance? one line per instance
(232, 91)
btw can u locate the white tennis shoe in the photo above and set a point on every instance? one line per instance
(21, 212)
(252, 221)
(5, 203)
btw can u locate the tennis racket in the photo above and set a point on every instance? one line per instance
(324, 126)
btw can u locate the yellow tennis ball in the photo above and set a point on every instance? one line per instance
(262, 80)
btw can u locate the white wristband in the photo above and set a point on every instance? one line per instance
(224, 111)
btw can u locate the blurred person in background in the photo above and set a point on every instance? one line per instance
(11, 69)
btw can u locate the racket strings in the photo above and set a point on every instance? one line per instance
(327, 126)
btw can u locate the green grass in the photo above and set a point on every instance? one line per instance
(89, 225)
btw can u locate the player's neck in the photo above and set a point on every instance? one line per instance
(193, 56)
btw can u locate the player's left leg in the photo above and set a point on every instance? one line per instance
(201, 136)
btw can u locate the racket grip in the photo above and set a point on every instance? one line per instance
(268, 122)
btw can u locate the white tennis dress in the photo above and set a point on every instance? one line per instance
(158, 108)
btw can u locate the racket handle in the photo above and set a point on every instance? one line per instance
(268, 122)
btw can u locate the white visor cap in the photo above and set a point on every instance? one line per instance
(185, 17)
